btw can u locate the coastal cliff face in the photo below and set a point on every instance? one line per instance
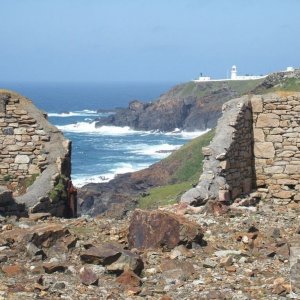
(35, 165)
(190, 106)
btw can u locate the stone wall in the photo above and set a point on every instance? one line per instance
(256, 146)
(22, 143)
(35, 160)
(276, 122)
(228, 164)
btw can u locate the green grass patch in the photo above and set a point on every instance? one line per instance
(189, 164)
(189, 158)
(163, 195)
(289, 85)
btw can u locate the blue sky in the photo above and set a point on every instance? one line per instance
(143, 40)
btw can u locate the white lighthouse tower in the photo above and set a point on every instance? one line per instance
(233, 72)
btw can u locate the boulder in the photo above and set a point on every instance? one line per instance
(104, 254)
(155, 229)
(114, 257)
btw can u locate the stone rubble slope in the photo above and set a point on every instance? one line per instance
(239, 255)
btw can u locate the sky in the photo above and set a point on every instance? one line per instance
(145, 40)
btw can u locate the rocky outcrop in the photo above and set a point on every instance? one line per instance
(35, 158)
(159, 229)
(190, 106)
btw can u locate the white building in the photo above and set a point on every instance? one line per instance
(234, 75)
(203, 78)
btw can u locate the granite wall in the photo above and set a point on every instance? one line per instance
(256, 147)
(276, 123)
(35, 160)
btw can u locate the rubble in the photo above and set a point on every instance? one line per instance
(241, 256)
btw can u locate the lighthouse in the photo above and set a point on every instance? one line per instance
(233, 72)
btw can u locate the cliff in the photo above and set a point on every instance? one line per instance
(35, 165)
(190, 106)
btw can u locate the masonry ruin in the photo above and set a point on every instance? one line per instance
(35, 161)
(256, 147)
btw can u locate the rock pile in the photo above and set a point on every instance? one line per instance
(240, 256)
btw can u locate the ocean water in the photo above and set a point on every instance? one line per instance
(98, 154)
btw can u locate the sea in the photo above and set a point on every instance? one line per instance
(99, 154)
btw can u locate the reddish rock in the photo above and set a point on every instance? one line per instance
(88, 277)
(154, 229)
(39, 216)
(104, 254)
(47, 235)
(129, 278)
(12, 270)
(127, 261)
(53, 267)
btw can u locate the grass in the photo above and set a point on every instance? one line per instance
(189, 164)
(289, 84)
(163, 195)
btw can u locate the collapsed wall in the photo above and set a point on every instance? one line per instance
(35, 160)
(257, 145)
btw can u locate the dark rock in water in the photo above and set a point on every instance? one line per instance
(155, 229)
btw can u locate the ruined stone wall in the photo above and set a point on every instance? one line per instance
(22, 143)
(228, 165)
(257, 145)
(276, 123)
(35, 161)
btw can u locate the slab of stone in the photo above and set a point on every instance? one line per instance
(160, 229)
(264, 150)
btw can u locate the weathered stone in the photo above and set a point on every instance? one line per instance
(22, 159)
(155, 229)
(258, 135)
(54, 267)
(104, 254)
(257, 104)
(129, 278)
(267, 120)
(127, 261)
(88, 277)
(264, 150)
(12, 270)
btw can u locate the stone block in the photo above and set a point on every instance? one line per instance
(292, 169)
(284, 194)
(267, 120)
(256, 104)
(274, 170)
(264, 150)
(22, 159)
(258, 135)
(274, 138)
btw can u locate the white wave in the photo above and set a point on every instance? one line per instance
(155, 151)
(90, 128)
(186, 134)
(80, 113)
(120, 168)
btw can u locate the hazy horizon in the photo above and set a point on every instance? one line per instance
(142, 41)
